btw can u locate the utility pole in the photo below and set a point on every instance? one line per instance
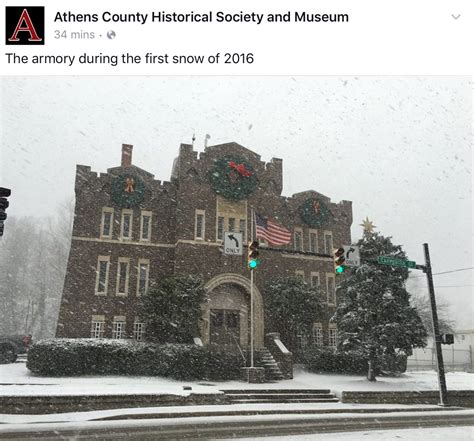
(443, 392)
(387, 260)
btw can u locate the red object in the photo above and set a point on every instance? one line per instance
(240, 168)
(271, 231)
(26, 340)
(127, 151)
(25, 19)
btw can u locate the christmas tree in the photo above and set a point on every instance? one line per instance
(374, 316)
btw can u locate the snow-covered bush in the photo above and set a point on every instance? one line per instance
(291, 306)
(171, 309)
(73, 357)
(328, 360)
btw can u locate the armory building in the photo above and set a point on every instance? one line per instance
(131, 229)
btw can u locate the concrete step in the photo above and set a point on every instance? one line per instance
(251, 395)
(284, 400)
(276, 391)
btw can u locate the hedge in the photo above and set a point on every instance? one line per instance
(73, 357)
(327, 360)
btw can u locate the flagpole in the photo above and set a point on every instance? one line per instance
(252, 216)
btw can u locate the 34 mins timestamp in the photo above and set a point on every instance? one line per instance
(75, 35)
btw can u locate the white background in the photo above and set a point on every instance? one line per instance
(400, 37)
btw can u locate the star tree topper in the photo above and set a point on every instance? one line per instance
(367, 225)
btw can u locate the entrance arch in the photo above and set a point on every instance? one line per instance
(216, 288)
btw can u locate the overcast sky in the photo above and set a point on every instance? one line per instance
(399, 148)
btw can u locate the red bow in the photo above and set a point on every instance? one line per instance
(240, 168)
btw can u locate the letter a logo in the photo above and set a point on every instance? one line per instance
(24, 25)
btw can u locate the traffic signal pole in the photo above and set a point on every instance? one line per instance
(251, 317)
(252, 232)
(443, 392)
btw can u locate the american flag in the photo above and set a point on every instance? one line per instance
(269, 230)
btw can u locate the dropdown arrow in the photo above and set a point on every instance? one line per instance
(455, 16)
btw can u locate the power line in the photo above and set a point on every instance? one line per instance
(448, 272)
(448, 286)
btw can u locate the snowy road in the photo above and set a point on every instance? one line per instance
(225, 427)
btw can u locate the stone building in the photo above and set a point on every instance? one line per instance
(131, 229)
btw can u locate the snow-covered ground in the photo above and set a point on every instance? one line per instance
(16, 379)
(433, 434)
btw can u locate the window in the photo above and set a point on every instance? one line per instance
(220, 228)
(107, 222)
(145, 226)
(138, 330)
(242, 228)
(199, 226)
(231, 217)
(328, 246)
(122, 276)
(332, 336)
(232, 224)
(301, 340)
(102, 275)
(299, 274)
(118, 327)
(97, 326)
(143, 274)
(313, 241)
(126, 228)
(298, 239)
(318, 334)
(331, 289)
(314, 279)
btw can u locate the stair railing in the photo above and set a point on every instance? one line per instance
(239, 348)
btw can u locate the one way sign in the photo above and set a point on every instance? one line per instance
(351, 253)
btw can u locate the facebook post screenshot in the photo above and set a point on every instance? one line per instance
(236, 220)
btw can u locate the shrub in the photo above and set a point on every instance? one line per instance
(73, 357)
(223, 365)
(327, 360)
(172, 308)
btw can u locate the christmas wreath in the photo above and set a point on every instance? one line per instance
(315, 213)
(233, 178)
(127, 191)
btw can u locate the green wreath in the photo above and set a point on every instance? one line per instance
(233, 178)
(315, 213)
(127, 191)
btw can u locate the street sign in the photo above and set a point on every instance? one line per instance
(384, 260)
(352, 255)
(233, 243)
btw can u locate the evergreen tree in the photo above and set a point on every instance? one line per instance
(375, 317)
(291, 307)
(171, 309)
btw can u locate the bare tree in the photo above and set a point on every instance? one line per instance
(421, 301)
(33, 258)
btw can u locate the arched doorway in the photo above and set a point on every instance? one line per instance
(226, 317)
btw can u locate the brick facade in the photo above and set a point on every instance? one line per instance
(173, 247)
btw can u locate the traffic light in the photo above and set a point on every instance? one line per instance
(4, 193)
(339, 260)
(252, 259)
(447, 339)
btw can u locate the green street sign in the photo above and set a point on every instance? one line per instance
(383, 260)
